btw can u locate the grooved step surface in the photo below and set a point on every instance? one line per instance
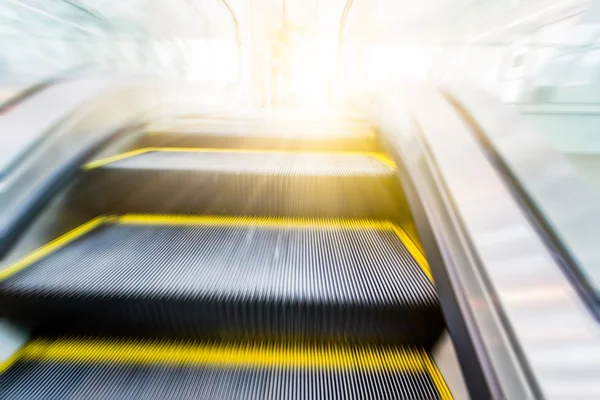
(43, 380)
(109, 369)
(270, 163)
(299, 139)
(362, 266)
(255, 279)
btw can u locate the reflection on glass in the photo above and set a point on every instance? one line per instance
(191, 40)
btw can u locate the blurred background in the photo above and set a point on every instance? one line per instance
(322, 53)
(295, 51)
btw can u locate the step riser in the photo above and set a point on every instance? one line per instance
(239, 321)
(106, 191)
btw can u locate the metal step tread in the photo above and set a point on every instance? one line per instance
(279, 141)
(293, 135)
(304, 260)
(236, 275)
(101, 368)
(245, 128)
(251, 162)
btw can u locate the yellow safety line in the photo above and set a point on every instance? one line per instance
(413, 250)
(279, 222)
(239, 354)
(94, 164)
(111, 159)
(436, 377)
(251, 354)
(52, 246)
(383, 159)
(7, 363)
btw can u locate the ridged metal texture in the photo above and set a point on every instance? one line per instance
(249, 281)
(135, 370)
(297, 136)
(233, 141)
(40, 380)
(269, 163)
(270, 184)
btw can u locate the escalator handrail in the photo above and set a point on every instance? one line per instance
(487, 349)
(29, 123)
(73, 120)
(502, 134)
(524, 295)
(37, 87)
(55, 118)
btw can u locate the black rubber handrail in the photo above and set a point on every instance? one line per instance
(562, 255)
(34, 89)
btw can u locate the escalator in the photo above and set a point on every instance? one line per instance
(219, 265)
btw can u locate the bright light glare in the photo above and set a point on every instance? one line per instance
(381, 66)
(213, 60)
(198, 60)
(312, 66)
(313, 69)
(391, 63)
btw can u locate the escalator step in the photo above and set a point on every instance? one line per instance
(299, 136)
(208, 181)
(230, 277)
(93, 368)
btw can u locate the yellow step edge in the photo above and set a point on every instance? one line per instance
(54, 245)
(413, 249)
(229, 220)
(118, 157)
(437, 378)
(115, 158)
(175, 219)
(8, 362)
(226, 354)
(332, 356)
